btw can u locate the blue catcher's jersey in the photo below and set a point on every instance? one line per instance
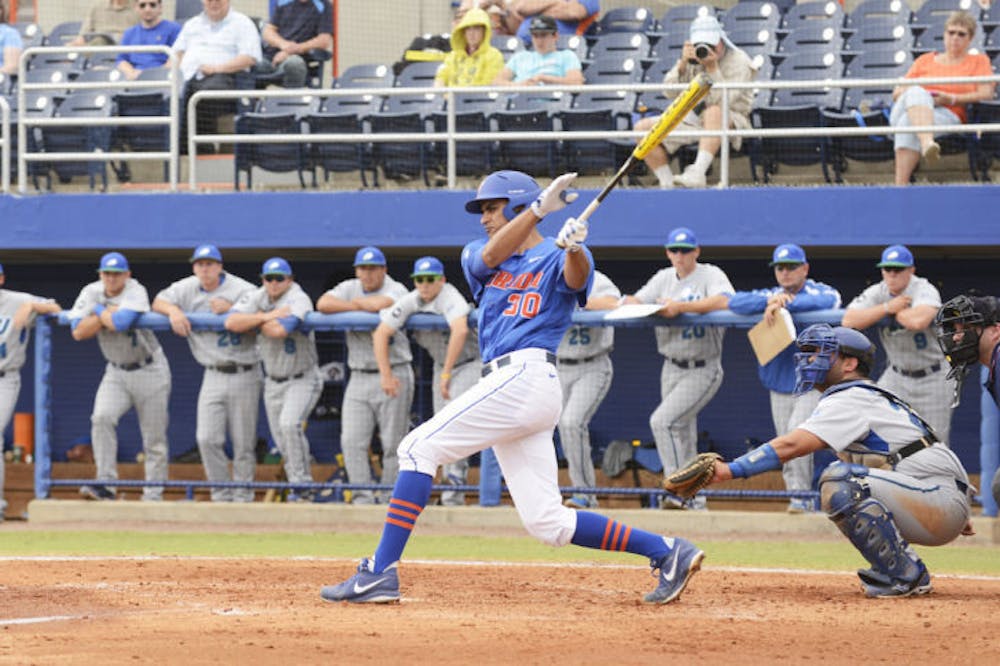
(525, 301)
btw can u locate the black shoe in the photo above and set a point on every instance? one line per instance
(192, 455)
(96, 492)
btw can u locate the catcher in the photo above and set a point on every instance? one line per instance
(894, 484)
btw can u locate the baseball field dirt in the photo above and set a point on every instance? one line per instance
(250, 611)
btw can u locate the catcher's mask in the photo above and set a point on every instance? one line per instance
(961, 321)
(817, 346)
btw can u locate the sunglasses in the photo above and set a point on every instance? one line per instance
(786, 267)
(956, 33)
(428, 279)
(893, 269)
(275, 278)
(680, 250)
(148, 5)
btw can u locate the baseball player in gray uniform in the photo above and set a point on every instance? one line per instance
(17, 314)
(365, 403)
(455, 352)
(292, 379)
(137, 373)
(692, 366)
(230, 385)
(585, 373)
(895, 483)
(916, 368)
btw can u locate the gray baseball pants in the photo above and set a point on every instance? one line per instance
(787, 412)
(463, 378)
(288, 405)
(233, 399)
(10, 387)
(584, 386)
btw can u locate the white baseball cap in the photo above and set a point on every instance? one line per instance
(705, 30)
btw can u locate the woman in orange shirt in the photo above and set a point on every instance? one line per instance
(938, 103)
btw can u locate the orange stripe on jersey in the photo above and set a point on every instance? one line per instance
(624, 542)
(614, 539)
(408, 505)
(399, 523)
(607, 531)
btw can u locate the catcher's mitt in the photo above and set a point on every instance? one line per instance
(692, 477)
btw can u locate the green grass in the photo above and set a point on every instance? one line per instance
(834, 556)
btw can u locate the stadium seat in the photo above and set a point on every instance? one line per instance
(621, 45)
(508, 45)
(31, 34)
(342, 115)
(814, 13)
(37, 105)
(365, 76)
(677, 19)
(613, 70)
(933, 11)
(185, 9)
(985, 148)
(276, 115)
(71, 62)
(882, 34)
(473, 113)
(80, 139)
(763, 14)
(796, 107)
(6, 83)
(417, 75)
(574, 43)
(531, 111)
(606, 111)
(931, 38)
(811, 38)
(58, 74)
(754, 40)
(626, 19)
(895, 11)
(132, 102)
(403, 114)
(63, 32)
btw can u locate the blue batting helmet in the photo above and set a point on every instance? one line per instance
(518, 188)
(818, 344)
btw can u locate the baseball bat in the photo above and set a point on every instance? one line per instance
(665, 124)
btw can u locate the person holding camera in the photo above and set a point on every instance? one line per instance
(708, 51)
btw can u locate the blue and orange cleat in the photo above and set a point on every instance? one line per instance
(675, 570)
(366, 586)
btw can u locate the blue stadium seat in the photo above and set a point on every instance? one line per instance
(80, 139)
(531, 111)
(132, 102)
(342, 115)
(814, 12)
(31, 34)
(417, 75)
(931, 38)
(606, 111)
(663, 63)
(985, 148)
(275, 115)
(63, 32)
(619, 44)
(508, 45)
(754, 40)
(473, 113)
(763, 14)
(626, 19)
(37, 105)
(676, 21)
(934, 11)
(574, 43)
(613, 70)
(7, 83)
(403, 114)
(882, 34)
(895, 11)
(185, 9)
(811, 38)
(365, 76)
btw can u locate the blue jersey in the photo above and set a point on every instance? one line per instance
(993, 380)
(525, 301)
(779, 373)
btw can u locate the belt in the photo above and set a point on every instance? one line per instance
(279, 380)
(686, 364)
(129, 367)
(962, 486)
(578, 361)
(924, 442)
(521, 355)
(368, 371)
(3, 374)
(918, 374)
(230, 369)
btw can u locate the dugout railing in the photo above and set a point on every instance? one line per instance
(44, 482)
(4, 146)
(451, 137)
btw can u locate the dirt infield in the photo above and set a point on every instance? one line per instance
(197, 611)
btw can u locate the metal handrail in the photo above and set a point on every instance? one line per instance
(4, 146)
(451, 137)
(172, 84)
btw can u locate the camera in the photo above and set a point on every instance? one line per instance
(702, 50)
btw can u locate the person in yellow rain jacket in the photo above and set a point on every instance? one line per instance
(473, 61)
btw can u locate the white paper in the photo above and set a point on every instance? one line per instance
(632, 311)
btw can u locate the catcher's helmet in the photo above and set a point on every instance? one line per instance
(818, 344)
(518, 188)
(961, 347)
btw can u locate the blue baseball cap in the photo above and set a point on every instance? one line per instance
(1, 269)
(276, 266)
(427, 266)
(682, 237)
(896, 256)
(113, 262)
(369, 256)
(206, 252)
(789, 253)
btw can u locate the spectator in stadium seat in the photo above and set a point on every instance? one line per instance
(473, 61)
(723, 61)
(504, 19)
(572, 17)
(151, 30)
(10, 43)
(544, 64)
(212, 48)
(104, 24)
(295, 28)
(938, 103)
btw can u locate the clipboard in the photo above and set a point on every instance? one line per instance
(768, 341)
(632, 311)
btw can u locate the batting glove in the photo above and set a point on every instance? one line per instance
(554, 197)
(573, 233)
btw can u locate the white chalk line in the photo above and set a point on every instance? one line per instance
(449, 563)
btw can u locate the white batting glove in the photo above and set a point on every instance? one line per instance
(555, 197)
(573, 233)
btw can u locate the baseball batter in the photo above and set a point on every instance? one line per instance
(292, 379)
(527, 289)
(585, 373)
(795, 292)
(137, 374)
(365, 404)
(894, 484)
(455, 352)
(231, 383)
(903, 305)
(17, 314)
(970, 332)
(692, 366)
